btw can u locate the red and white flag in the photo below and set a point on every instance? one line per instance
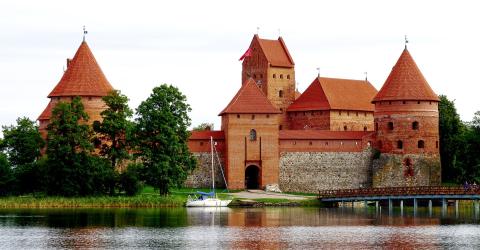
(247, 53)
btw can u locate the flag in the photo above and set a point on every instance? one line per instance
(247, 53)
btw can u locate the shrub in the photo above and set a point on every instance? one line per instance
(129, 180)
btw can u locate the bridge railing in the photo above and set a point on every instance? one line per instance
(398, 191)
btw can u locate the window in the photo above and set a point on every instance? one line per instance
(288, 76)
(281, 109)
(326, 143)
(400, 144)
(390, 103)
(280, 127)
(201, 143)
(253, 135)
(348, 113)
(390, 125)
(313, 113)
(253, 117)
(356, 113)
(268, 115)
(418, 102)
(280, 93)
(89, 98)
(421, 144)
(310, 143)
(304, 113)
(274, 76)
(364, 128)
(238, 116)
(339, 112)
(281, 76)
(415, 125)
(404, 102)
(345, 128)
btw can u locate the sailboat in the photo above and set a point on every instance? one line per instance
(209, 199)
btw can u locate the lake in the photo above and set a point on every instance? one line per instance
(238, 228)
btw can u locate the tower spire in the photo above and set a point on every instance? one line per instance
(85, 32)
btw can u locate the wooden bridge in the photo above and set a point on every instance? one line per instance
(401, 194)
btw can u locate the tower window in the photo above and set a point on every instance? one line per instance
(281, 76)
(339, 112)
(390, 103)
(238, 116)
(280, 93)
(253, 117)
(390, 125)
(313, 113)
(280, 127)
(415, 125)
(345, 128)
(310, 143)
(400, 144)
(288, 76)
(274, 76)
(356, 113)
(364, 128)
(404, 102)
(418, 102)
(268, 115)
(421, 144)
(253, 135)
(201, 143)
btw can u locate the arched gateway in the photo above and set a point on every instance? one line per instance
(252, 177)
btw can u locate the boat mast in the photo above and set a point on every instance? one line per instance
(213, 175)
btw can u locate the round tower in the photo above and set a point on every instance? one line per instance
(406, 125)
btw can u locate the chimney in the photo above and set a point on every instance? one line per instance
(68, 62)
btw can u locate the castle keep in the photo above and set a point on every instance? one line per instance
(338, 133)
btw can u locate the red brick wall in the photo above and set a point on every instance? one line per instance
(309, 120)
(402, 114)
(321, 145)
(241, 152)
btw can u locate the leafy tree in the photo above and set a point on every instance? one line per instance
(451, 129)
(162, 138)
(68, 149)
(129, 180)
(22, 142)
(203, 126)
(112, 130)
(6, 175)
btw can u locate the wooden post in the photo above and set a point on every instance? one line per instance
(444, 207)
(415, 206)
(376, 206)
(430, 207)
(456, 208)
(401, 207)
(390, 206)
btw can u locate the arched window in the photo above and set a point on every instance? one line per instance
(415, 125)
(280, 93)
(253, 117)
(274, 76)
(345, 128)
(364, 128)
(288, 76)
(253, 135)
(421, 144)
(281, 76)
(390, 125)
(400, 144)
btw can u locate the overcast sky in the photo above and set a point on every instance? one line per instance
(195, 45)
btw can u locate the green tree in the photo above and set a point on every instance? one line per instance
(111, 132)
(470, 158)
(22, 142)
(203, 126)
(451, 130)
(162, 137)
(6, 175)
(68, 150)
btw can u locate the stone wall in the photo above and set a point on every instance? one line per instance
(392, 170)
(201, 177)
(312, 171)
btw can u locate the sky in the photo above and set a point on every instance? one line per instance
(195, 46)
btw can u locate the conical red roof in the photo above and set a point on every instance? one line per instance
(250, 99)
(83, 77)
(47, 112)
(405, 82)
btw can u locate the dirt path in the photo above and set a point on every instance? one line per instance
(260, 194)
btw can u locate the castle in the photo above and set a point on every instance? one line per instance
(338, 133)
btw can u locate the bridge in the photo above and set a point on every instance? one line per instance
(400, 194)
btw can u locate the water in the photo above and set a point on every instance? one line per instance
(238, 228)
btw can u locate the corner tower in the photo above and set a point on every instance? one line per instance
(270, 65)
(83, 78)
(406, 125)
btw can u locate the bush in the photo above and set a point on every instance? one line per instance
(129, 180)
(6, 175)
(29, 176)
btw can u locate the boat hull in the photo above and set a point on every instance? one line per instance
(210, 202)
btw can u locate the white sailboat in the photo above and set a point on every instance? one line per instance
(209, 199)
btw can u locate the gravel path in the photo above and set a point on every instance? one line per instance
(259, 194)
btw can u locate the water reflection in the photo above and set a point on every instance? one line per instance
(252, 228)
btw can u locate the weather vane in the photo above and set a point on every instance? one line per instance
(406, 41)
(85, 32)
(258, 29)
(366, 76)
(318, 69)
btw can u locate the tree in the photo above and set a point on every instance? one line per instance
(112, 130)
(451, 129)
(203, 126)
(162, 137)
(69, 165)
(6, 175)
(22, 142)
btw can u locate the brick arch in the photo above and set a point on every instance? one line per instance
(252, 176)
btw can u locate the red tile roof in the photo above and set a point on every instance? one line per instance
(83, 76)
(47, 112)
(205, 134)
(276, 52)
(250, 99)
(321, 134)
(333, 93)
(405, 82)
